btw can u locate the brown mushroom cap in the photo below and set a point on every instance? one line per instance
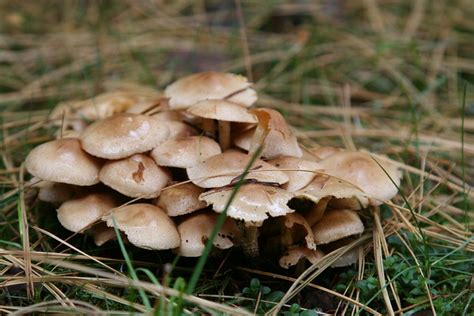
(252, 203)
(361, 170)
(135, 176)
(146, 226)
(195, 230)
(78, 213)
(63, 160)
(208, 85)
(181, 199)
(222, 110)
(221, 170)
(337, 224)
(123, 135)
(299, 171)
(185, 152)
(294, 255)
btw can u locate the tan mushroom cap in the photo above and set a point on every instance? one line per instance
(299, 171)
(135, 176)
(54, 192)
(123, 135)
(78, 213)
(361, 170)
(325, 186)
(146, 226)
(246, 97)
(185, 152)
(252, 203)
(63, 160)
(102, 234)
(294, 255)
(337, 224)
(222, 169)
(180, 130)
(180, 199)
(208, 85)
(297, 221)
(196, 229)
(222, 110)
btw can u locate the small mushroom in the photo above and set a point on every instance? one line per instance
(295, 254)
(135, 176)
(63, 160)
(223, 169)
(196, 229)
(224, 112)
(185, 152)
(54, 192)
(209, 85)
(146, 226)
(337, 224)
(123, 135)
(102, 234)
(180, 199)
(299, 171)
(81, 212)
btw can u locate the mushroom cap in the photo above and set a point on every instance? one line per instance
(275, 144)
(294, 255)
(246, 97)
(223, 169)
(78, 213)
(146, 226)
(324, 151)
(361, 170)
(54, 192)
(337, 224)
(195, 230)
(185, 152)
(325, 186)
(179, 129)
(207, 85)
(102, 234)
(299, 171)
(222, 110)
(63, 160)
(180, 199)
(297, 221)
(123, 135)
(252, 202)
(135, 176)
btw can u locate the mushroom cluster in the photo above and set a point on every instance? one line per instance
(161, 167)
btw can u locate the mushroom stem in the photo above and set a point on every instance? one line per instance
(317, 211)
(224, 134)
(250, 241)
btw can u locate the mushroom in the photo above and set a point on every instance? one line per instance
(146, 226)
(224, 112)
(273, 132)
(223, 169)
(102, 234)
(79, 213)
(63, 160)
(360, 169)
(179, 129)
(123, 135)
(180, 199)
(335, 225)
(196, 229)
(135, 176)
(185, 152)
(252, 204)
(295, 254)
(299, 171)
(54, 192)
(210, 85)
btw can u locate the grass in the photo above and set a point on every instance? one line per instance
(393, 77)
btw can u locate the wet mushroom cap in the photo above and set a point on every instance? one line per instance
(63, 160)
(364, 172)
(185, 152)
(195, 230)
(252, 202)
(78, 213)
(337, 224)
(135, 176)
(299, 171)
(180, 199)
(222, 110)
(223, 169)
(146, 226)
(207, 85)
(123, 135)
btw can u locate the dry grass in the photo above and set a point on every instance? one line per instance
(386, 76)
